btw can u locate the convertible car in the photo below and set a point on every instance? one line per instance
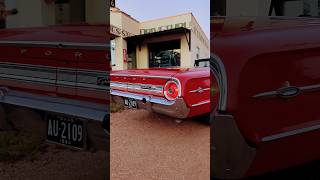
(265, 114)
(177, 92)
(54, 84)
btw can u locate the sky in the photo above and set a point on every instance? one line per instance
(143, 10)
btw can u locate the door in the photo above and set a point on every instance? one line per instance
(279, 93)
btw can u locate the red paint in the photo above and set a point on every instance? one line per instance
(260, 55)
(77, 59)
(190, 79)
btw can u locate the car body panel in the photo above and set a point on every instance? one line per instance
(190, 80)
(273, 74)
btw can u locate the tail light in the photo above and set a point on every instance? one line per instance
(171, 90)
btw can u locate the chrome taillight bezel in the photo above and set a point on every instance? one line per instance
(179, 89)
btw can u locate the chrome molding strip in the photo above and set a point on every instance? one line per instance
(138, 87)
(138, 75)
(201, 103)
(28, 79)
(221, 76)
(304, 89)
(54, 104)
(290, 133)
(52, 75)
(199, 90)
(50, 44)
(151, 99)
(118, 85)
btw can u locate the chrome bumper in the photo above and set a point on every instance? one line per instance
(177, 109)
(96, 114)
(71, 107)
(231, 156)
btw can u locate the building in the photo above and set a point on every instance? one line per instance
(34, 13)
(175, 41)
(261, 8)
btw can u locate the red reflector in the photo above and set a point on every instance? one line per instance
(171, 90)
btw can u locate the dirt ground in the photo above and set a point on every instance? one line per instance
(148, 146)
(54, 162)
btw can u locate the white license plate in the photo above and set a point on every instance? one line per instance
(66, 130)
(130, 103)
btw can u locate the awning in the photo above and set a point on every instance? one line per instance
(138, 39)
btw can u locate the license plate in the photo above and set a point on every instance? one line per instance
(130, 103)
(66, 130)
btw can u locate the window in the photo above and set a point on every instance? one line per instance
(165, 54)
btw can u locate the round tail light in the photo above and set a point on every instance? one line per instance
(171, 90)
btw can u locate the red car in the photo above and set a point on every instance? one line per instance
(60, 76)
(176, 92)
(268, 75)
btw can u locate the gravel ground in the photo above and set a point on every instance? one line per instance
(54, 162)
(148, 146)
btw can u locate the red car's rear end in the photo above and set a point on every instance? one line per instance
(179, 93)
(59, 74)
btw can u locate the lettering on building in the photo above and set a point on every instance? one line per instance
(119, 32)
(163, 28)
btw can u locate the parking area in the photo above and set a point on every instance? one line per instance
(53, 162)
(146, 145)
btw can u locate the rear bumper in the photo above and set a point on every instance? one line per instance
(231, 156)
(96, 115)
(177, 109)
(87, 110)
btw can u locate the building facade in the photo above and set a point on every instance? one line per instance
(175, 41)
(35, 13)
(261, 7)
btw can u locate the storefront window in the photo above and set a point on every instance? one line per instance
(165, 54)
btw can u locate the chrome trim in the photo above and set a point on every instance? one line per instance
(118, 85)
(201, 103)
(72, 107)
(136, 86)
(153, 88)
(50, 44)
(138, 75)
(222, 81)
(290, 133)
(165, 92)
(199, 90)
(304, 89)
(52, 75)
(147, 98)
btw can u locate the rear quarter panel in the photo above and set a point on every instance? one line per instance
(191, 81)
